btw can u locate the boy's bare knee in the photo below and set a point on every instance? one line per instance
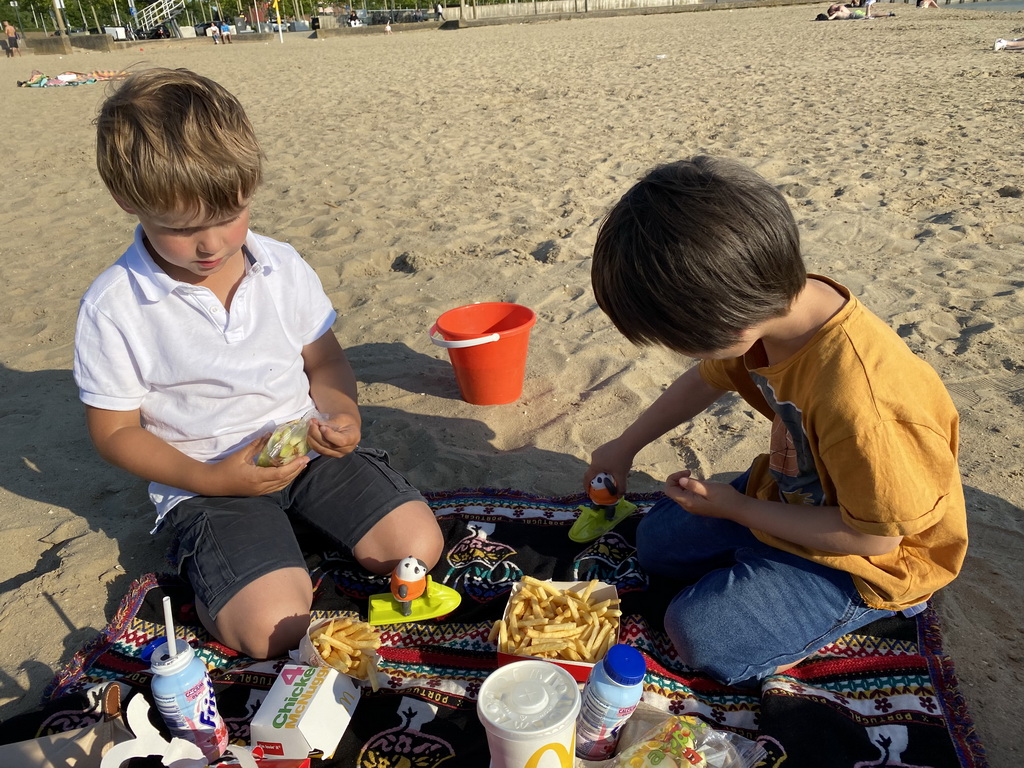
(268, 617)
(409, 530)
(272, 635)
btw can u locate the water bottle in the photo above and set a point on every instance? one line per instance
(612, 692)
(184, 694)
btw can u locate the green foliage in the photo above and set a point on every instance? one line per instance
(78, 14)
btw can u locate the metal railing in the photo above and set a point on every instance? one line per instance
(160, 11)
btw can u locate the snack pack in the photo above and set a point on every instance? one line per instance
(683, 741)
(287, 443)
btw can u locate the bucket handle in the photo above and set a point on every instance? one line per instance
(461, 344)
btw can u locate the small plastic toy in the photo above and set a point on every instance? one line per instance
(607, 510)
(414, 596)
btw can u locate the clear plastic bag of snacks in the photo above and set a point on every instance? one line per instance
(656, 738)
(287, 443)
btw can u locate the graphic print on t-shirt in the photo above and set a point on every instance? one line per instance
(791, 462)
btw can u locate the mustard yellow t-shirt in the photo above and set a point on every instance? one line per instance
(861, 423)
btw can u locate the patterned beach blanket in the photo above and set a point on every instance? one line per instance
(886, 695)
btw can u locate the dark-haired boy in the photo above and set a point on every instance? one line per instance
(857, 512)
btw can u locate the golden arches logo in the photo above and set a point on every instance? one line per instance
(560, 752)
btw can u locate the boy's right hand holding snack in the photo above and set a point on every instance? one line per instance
(239, 474)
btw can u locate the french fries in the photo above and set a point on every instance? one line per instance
(551, 623)
(347, 645)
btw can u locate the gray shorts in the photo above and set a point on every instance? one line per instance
(226, 542)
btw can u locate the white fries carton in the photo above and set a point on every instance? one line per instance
(308, 654)
(578, 669)
(306, 710)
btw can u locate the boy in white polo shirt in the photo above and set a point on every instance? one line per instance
(200, 340)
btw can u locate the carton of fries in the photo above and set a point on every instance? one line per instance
(345, 644)
(569, 623)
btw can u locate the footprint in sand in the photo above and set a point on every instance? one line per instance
(966, 393)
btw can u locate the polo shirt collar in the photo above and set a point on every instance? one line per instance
(157, 284)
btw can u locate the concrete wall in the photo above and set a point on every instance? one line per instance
(93, 42)
(49, 46)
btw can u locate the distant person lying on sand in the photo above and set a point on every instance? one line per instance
(1016, 44)
(842, 11)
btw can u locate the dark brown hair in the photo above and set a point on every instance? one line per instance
(172, 141)
(696, 253)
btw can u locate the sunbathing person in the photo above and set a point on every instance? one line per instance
(842, 11)
(1016, 44)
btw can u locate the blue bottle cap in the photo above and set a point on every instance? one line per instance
(625, 665)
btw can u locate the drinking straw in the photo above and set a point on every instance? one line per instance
(169, 627)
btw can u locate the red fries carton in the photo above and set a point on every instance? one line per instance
(580, 670)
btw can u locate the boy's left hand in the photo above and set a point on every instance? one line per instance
(703, 497)
(333, 436)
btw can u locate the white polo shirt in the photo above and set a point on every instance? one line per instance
(205, 380)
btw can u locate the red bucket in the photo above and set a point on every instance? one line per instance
(487, 346)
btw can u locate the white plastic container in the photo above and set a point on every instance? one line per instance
(529, 709)
(612, 692)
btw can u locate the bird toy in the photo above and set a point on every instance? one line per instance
(607, 509)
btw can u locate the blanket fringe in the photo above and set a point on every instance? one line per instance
(958, 718)
(84, 659)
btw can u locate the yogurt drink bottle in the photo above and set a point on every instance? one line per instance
(184, 694)
(612, 693)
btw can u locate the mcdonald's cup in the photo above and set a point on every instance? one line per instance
(529, 709)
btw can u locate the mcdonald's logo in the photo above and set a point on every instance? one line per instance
(561, 754)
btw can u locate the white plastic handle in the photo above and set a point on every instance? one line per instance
(461, 344)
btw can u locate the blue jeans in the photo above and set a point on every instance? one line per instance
(752, 607)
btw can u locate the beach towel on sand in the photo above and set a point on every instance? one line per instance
(885, 695)
(38, 80)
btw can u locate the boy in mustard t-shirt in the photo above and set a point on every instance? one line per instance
(857, 512)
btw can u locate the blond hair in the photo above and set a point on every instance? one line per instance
(172, 141)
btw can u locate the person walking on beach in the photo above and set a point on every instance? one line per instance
(856, 512)
(438, 12)
(203, 337)
(12, 39)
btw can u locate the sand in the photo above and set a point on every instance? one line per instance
(425, 170)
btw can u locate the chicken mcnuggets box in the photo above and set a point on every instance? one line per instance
(240, 757)
(306, 711)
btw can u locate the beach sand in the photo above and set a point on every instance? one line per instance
(426, 170)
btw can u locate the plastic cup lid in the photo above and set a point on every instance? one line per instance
(528, 698)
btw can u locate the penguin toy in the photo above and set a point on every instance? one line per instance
(607, 509)
(408, 582)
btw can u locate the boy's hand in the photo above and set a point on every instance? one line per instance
(238, 475)
(614, 460)
(704, 498)
(333, 436)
